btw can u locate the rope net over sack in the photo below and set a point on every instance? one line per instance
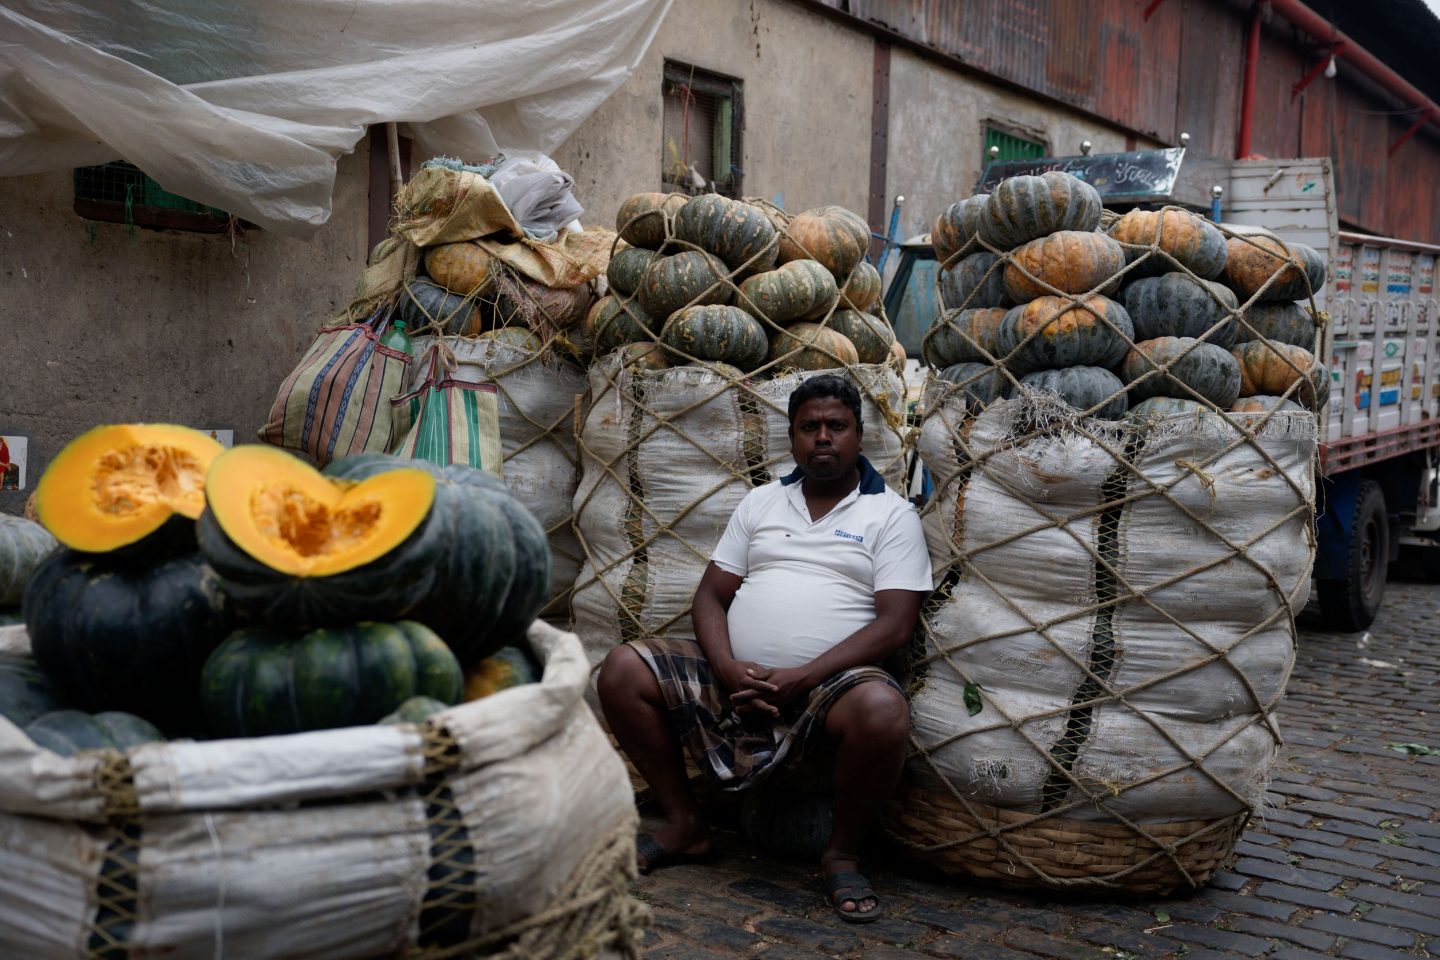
(1097, 673)
(697, 349)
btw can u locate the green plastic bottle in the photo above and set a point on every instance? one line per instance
(397, 339)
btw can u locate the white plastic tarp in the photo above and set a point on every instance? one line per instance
(246, 106)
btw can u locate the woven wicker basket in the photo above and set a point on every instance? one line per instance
(1026, 850)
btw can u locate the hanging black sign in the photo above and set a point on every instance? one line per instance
(1138, 175)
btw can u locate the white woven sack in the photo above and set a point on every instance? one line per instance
(1200, 660)
(538, 396)
(314, 845)
(665, 457)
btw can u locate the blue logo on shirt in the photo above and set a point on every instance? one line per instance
(850, 536)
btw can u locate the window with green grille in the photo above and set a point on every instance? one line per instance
(700, 149)
(1012, 147)
(120, 192)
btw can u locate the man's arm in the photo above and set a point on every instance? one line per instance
(712, 629)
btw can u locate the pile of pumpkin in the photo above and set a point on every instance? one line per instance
(461, 290)
(197, 591)
(1154, 313)
(712, 280)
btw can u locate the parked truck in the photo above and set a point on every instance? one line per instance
(1379, 495)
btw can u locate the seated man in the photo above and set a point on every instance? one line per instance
(817, 579)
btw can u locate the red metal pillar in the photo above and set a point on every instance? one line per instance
(1247, 90)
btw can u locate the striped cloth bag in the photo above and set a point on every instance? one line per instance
(337, 401)
(447, 421)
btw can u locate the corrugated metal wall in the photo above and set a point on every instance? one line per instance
(1182, 70)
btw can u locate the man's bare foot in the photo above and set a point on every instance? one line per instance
(683, 841)
(850, 892)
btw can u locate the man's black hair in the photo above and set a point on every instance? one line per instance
(828, 385)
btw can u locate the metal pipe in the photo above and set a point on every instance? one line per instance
(392, 138)
(1309, 22)
(1247, 90)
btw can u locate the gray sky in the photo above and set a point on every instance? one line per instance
(1434, 6)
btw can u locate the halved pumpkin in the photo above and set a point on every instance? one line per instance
(116, 485)
(288, 516)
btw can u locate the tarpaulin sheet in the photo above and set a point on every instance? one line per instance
(246, 106)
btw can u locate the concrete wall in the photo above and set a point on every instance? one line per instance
(105, 325)
(807, 95)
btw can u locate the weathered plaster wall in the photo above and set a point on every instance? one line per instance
(102, 324)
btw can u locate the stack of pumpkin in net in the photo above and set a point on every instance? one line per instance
(1121, 437)
(224, 599)
(717, 310)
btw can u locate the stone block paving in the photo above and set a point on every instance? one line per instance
(1345, 862)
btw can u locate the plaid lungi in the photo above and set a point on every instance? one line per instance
(734, 751)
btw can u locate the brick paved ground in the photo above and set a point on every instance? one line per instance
(1346, 864)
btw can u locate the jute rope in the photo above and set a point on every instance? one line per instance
(1142, 856)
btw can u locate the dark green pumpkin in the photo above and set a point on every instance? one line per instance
(614, 322)
(121, 636)
(717, 334)
(642, 218)
(505, 668)
(67, 732)
(739, 233)
(23, 544)
(956, 226)
(423, 302)
(1083, 388)
(1291, 323)
(627, 268)
(1210, 371)
(974, 282)
(269, 680)
(1022, 209)
(871, 335)
(961, 335)
(684, 279)
(416, 710)
(1176, 305)
(1091, 333)
(25, 691)
(792, 290)
(981, 383)
(1156, 408)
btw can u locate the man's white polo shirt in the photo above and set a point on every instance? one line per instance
(811, 584)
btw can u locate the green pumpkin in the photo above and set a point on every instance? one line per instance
(23, 544)
(416, 710)
(1210, 371)
(1291, 323)
(792, 290)
(956, 226)
(1090, 333)
(507, 667)
(1083, 388)
(871, 336)
(613, 322)
(476, 570)
(961, 335)
(1176, 305)
(265, 680)
(974, 282)
(1157, 408)
(1265, 405)
(1022, 209)
(25, 691)
(684, 279)
(717, 334)
(862, 291)
(67, 732)
(423, 303)
(980, 383)
(739, 233)
(643, 217)
(122, 636)
(627, 268)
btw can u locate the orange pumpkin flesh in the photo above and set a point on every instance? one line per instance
(290, 517)
(115, 485)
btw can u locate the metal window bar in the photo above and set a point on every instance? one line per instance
(703, 121)
(120, 192)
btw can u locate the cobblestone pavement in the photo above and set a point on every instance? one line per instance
(1345, 864)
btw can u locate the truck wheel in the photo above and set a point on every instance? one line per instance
(1352, 603)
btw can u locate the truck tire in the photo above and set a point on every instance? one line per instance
(1351, 604)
